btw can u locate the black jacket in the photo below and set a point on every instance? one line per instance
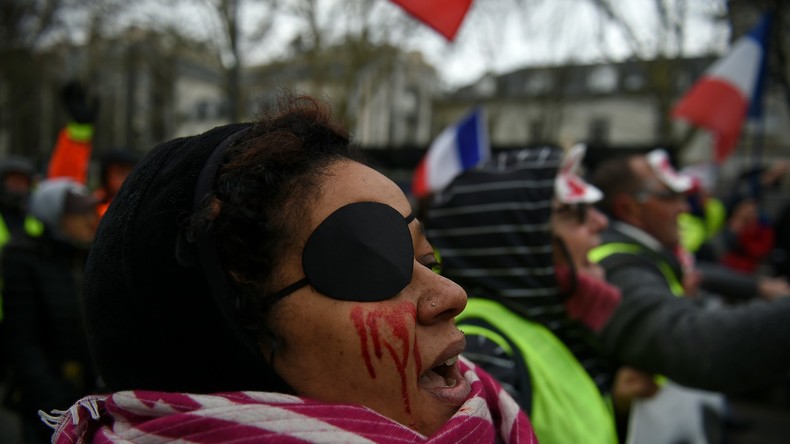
(721, 348)
(43, 336)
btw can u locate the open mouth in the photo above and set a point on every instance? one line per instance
(446, 383)
(443, 375)
(444, 379)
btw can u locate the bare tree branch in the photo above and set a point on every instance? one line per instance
(613, 14)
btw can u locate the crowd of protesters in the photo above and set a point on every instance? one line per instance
(49, 219)
(602, 306)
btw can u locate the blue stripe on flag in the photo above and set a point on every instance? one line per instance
(760, 34)
(468, 140)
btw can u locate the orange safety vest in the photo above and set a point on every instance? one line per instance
(72, 153)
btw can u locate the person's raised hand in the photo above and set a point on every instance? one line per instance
(773, 288)
(629, 384)
(82, 107)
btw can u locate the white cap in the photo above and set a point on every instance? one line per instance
(677, 182)
(703, 175)
(569, 187)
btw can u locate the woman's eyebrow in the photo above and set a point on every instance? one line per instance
(420, 227)
(421, 230)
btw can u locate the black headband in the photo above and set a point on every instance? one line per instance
(207, 248)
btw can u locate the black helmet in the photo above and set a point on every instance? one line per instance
(9, 199)
(16, 164)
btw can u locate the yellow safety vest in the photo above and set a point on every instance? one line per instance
(601, 252)
(567, 406)
(33, 227)
(695, 230)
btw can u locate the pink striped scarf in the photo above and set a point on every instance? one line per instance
(489, 415)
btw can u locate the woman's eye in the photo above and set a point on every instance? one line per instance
(432, 261)
(436, 267)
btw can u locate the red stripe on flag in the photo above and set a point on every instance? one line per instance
(419, 184)
(717, 106)
(444, 16)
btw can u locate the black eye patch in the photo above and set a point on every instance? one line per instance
(362, 252)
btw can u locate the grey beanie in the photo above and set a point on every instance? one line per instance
(47, 203)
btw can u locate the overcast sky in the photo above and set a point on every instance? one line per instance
(559, 31)
(548, 32)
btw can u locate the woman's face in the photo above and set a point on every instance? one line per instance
(80, 228)
(388, 355)
(657, 207)
(579, 226)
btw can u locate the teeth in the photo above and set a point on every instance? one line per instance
(451, 361)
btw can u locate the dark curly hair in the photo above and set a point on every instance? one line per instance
(266, 183)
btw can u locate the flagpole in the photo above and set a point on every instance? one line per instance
(757, 111)
(758, 139)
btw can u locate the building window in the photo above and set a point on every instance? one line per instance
(486, 87)
(599, 131)
(536, 130)
(684, 81)
(202, 110)
(602, 79)
(634, 82)
(538, 82)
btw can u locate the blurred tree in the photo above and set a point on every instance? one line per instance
(666, 42)
(221, 28)
(664, 45)
(232, 41)
(29, 78)
(346, 38)
(24, 23)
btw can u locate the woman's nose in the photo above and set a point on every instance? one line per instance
(440, 298)
(684, 206)
(598, 220)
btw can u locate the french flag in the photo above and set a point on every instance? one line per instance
(444, 16)
(719, 101)
(458, 148)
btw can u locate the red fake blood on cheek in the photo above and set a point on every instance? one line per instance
(357, 315)
(396, 321)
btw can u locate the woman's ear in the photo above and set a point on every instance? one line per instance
(625, 207)
(268, 343)
(557, 250)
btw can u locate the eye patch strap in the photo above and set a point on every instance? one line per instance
(290, 289)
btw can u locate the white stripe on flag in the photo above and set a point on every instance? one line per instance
(739, 68)
(443, 162)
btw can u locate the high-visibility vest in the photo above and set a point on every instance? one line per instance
(696, 230)
(71, 155)
(601, 252)
(692, 231)
(567, 406)
(33, 227)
